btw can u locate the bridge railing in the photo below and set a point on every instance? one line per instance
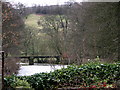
(31, 58)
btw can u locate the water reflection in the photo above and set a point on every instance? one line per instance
(26, 70)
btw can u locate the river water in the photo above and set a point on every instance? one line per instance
(27, 70)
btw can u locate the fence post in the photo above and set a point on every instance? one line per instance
(2, 69)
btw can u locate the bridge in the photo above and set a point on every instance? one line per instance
(31, 58)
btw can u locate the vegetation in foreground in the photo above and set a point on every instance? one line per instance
(92, 75)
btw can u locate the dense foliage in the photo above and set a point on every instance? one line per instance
(92, 74)
(17, 83)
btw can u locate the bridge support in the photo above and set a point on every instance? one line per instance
(58, 60)
(31, 61)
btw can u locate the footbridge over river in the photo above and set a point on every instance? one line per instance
(31, 58)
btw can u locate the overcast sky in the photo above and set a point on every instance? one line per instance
(54, 2)
(42, 2)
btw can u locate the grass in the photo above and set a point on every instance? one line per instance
(32, 20)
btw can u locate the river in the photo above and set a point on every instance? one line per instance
(27, 70)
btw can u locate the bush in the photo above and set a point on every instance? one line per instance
(84, 75)
(11, 66)
(14, 82)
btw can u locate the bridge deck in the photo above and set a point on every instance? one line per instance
(31, 58)
(39, 57)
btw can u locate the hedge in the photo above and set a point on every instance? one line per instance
(83, 75)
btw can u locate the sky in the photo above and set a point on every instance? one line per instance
(42, 2)
(53, 2)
